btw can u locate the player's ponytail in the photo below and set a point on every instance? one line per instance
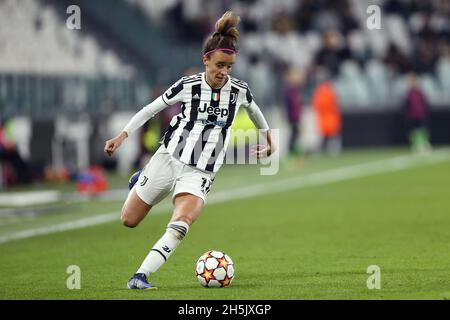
(226, 35)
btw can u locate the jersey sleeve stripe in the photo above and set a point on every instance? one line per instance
(162, 96)
(239, 83)
(191, 80)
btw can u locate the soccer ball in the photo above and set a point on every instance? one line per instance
(214, 269)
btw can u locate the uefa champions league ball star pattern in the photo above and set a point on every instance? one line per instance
(215, 269)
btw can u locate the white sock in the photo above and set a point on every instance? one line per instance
(164, 248)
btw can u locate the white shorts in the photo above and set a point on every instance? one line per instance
(163, 173)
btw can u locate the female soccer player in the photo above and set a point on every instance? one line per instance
(193, 147)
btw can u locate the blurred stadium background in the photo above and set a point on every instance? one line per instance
(64, 92)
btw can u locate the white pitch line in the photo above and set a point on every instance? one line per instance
(334, 175)
(314, 179)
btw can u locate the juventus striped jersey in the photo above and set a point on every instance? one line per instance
(199, 134)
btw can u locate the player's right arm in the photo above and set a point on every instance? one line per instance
(170, 97)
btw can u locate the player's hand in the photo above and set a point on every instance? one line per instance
(114, 143)
(261, 151)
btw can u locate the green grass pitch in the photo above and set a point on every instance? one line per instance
(314, 242)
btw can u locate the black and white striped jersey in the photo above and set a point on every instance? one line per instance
(199, 134)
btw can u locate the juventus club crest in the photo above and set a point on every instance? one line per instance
(233, 98)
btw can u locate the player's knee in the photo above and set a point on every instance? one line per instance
(129, 223)
(128, 220)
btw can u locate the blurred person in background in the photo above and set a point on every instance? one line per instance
(293, 102)
(9, 154)
(416, 111)
(193, 147)
(334, 50)
(396, 60)
(326, 106)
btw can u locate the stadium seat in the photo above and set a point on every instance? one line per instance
(398, 32)
(399, 88)
(378, 79)
(354, 84)
(21, 131)
(431, 88)
(357, 43)
(378, 43)
(74, 131)
(443, 74)
(52, 48)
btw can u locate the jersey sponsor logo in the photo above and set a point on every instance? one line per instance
(214, 123)
(217, 111)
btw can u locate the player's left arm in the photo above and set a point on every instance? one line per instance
(258, 119)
